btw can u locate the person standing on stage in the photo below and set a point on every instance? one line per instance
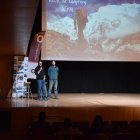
(53, 72)
(41, 76)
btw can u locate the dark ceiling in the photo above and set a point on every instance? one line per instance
(17, 19)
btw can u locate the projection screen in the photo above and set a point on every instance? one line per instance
(91, 30)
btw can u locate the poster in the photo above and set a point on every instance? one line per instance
(20, 70)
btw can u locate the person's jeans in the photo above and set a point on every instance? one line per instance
(53, 84)
(41, 88)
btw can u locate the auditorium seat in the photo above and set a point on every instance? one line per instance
(135, 123)
(128, 136)
(57, 126)
(119, 123)
(81, 124)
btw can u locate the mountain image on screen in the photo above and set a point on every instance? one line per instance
(93, 32)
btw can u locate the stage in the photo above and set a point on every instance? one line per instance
(111, 106)
(75, 100)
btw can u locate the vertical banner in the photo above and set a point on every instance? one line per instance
(35, 48)
(34, 53)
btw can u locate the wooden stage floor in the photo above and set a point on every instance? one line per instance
(77, 100)
(111, 106)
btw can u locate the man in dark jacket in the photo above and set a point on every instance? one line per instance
(41, 76)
